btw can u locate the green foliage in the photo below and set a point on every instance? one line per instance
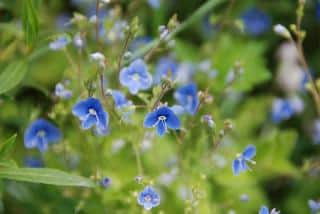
(12, 75)
(7, 146)
(30, 20)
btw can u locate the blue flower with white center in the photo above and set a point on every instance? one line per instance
(136, 76)
(91, 113)
(165, 68)
(240, 163)
(40, 133)
(149, 198)
(256, 22)
(265, 210)
(187, 96)
(62, 92)
(119, 99)
(162, 118)
(314, 206)
(59, 43)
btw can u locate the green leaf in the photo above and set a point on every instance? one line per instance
(7, 146)
(12, 75)
(30, 20)
(8, 163)
(45, 176)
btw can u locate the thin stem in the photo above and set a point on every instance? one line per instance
(74, 65)
(124, 48)
(138, 159)
(164, 89)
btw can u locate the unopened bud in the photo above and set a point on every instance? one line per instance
(282, 31)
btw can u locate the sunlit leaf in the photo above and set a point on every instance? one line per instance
(12, 75)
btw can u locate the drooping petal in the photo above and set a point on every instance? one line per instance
(264, 210)
(249, 152)
(89, 121)
(42, 143)
(103, 121)
(151, 119)
(173, 121)
(243, 165)
(236, 167)
(161, 128)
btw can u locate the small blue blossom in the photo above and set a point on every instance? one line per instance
(265, 210)
(62, 92)
(155, 4)
(59, 43)
(256, 22)
(40, 133)
(91, 113)
(136, 76)
(240, 163)
(166, 67)
(283, 109)
(162, 118)
(78, 41)
(187, 96)
(119, 99)
(106, 182)
(314, 206)
(149, 198)
(33, 162)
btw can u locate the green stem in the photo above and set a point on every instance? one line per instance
(196, 16)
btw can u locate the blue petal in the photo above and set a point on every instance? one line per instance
(103, 120)
(164, 67)
(249, 152)
(243, 165)
(236, 167)
(42, 144)
(81, 109)
(125, 76)
(151, 119)
(119, 98)
(172, 121)
(161, 128)
(89, 122)
(264, 210)
(187, 96)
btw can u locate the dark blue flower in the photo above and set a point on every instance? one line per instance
(265, 210)
(166, 67)
(91, 113)
(59, 43)
(136, 76)
(314, 206)
(33, 162)
(240, 163)
(162, 118)
(187, 96)
(40, 133)
(256, 22)
(149, 198)
(106, 182)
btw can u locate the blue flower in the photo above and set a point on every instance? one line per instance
(314, 206)
(139, 42)
(155, 4)
(106, 182)
(318, 10)
(33, 162)
(40, 133)
(162, 118)
(166, 67)
(136, 77)
(240, 163)
(149, 198)
(256, 22)
(62, 92)
(283, 109)
(90, 112)
(59, 43)
(187, 96)
(265, 210)
(119, 99)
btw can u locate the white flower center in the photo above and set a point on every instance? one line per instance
(162, 118)
(92, 111)
(41, 133)
(147, 198)
(135, 77)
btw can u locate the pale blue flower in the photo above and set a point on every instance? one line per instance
(314, 206)
(187, 97)
(149, 198)
(62, 92)
(240, 163)
(265, 210)
(59, 43)
(165, 68)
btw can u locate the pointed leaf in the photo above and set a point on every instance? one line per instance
(7, 146)
(12, 75)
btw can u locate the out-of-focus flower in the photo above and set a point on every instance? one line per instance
(167, 178)
(185, 72)
(147, 140)
(99, 58)
(155, 4)
(256, 22)
(208, 119)
(117, 145)
(240, 163)
(117, 32)
(59, 43)
(315, 131)
(136, 76)
(119, 99)
(139, 42)
(265, 210)
(177, 109)
(283, 109)
(149, 198)
(187, 96)
(314, 206)
(162, 118)
(40, 133)
(91, 113)
(62, 92)
(244, 198)
(281, 31)
(62, 21)
(78, 41)
(106, 182)
(165, 68)
(33, 162)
